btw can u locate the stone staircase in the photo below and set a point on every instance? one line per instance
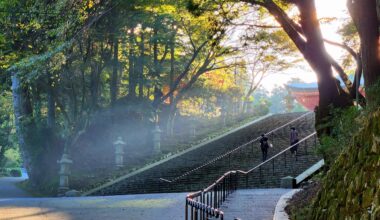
(177, 168)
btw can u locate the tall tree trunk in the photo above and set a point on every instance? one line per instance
(131, 68)
(23, 121)
(140, 66)
(308, 39)
(114, 89)
(364, 15)
(50, 105)
(171, 74)
(156, 69)
(94, 86)
(330, 92)
(171, 118)
(172, 102)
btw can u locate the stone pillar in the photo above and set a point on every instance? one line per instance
(119, 152)
(157, 139)
(192, 127)
(64, 173)
(288, 182)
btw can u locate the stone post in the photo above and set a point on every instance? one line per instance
(193, 128)
(288, 182)
(64, 173)
(119, 152)
(157, 139)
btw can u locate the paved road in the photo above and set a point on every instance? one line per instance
(130, 207)
(252, 204)
(8, 189)
(246, 204)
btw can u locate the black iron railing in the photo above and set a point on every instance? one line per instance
(205, 204)
(270, 134)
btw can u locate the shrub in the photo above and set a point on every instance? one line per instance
(345, 125)
(15, 172)
(13, 158)
(3, 172)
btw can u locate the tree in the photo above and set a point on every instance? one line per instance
(308, 39)
(205, 35)
(267, 55)
(366, 19)
(65, 73)
(33, 38)
(8, 138)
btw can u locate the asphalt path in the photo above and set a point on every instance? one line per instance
(245, 204)
(9, 189)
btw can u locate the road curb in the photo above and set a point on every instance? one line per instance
(279, 212)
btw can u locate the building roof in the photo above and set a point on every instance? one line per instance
(314, 85)
(304, 86)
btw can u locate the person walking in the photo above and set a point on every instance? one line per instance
(293, 141)
(264, 146)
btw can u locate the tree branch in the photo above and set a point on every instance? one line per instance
(293, 30)
(344, 46)
(184, 72)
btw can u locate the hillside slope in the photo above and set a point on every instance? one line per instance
(351, 189)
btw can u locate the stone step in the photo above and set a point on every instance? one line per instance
(244, 159)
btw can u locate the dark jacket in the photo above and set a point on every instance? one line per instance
(264, 143)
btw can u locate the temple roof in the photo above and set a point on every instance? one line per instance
(303, 86)
(314, 85)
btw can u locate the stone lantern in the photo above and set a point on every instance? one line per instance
(157, 139)
(119, 152)
(64, 172)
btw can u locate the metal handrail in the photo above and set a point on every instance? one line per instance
(277, 155)
(210, 199)
(209, 207)
(233, 150)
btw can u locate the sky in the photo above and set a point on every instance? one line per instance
(325, 8)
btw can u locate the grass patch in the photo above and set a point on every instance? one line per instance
(46, 190)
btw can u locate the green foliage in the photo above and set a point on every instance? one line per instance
(282, 101)
(350, 38)
(15, 172)
(47, 189)
(8, 139)
(373, 94)
(261, 102)
(12, 157)
(345, 125)
(350, 189)
(12, 172)
(70, 56)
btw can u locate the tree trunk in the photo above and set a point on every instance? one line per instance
(308, 39)
(171, 118)
(114, 78)
(131, 61)
(171, 74)
(23, 121)
(140, 66)
(50, 105)
(330, 92)
(172, 101)
(364, 15)
(94, 86)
